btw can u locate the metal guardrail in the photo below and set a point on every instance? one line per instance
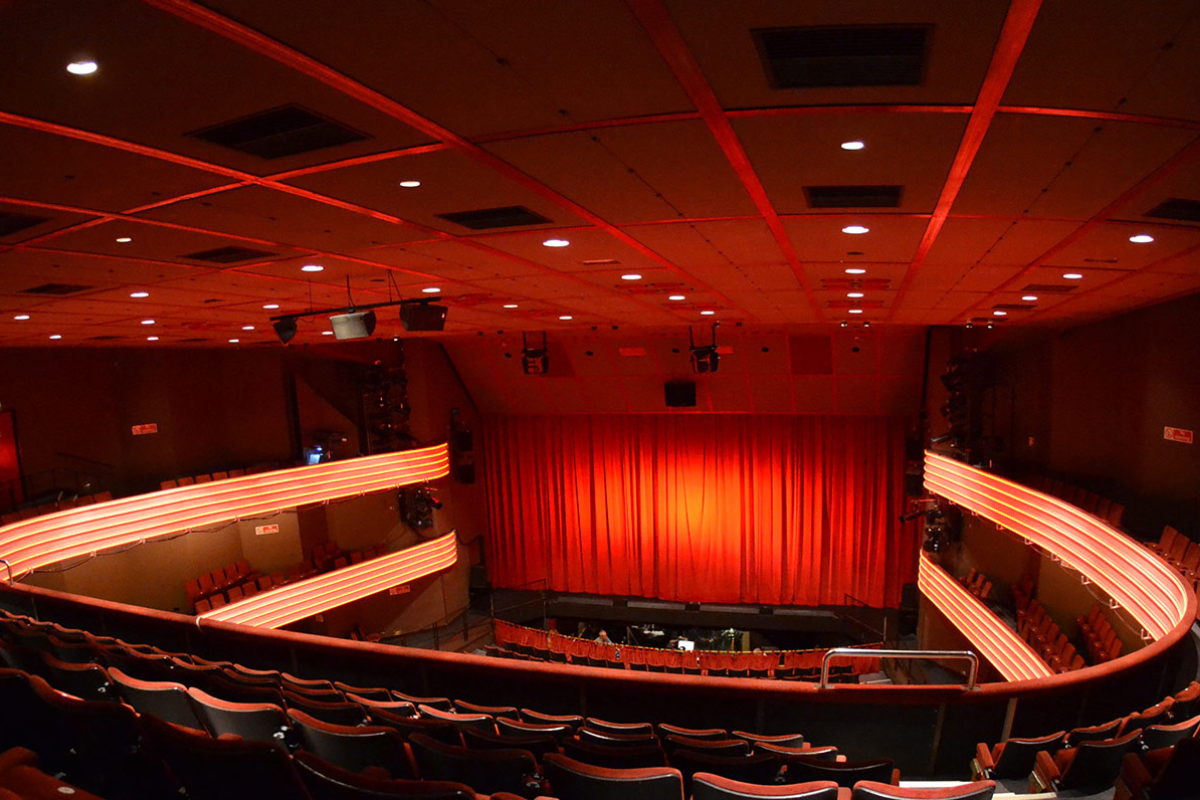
(855, 652)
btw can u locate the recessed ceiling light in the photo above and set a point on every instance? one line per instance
(677, 297)
(854, 295)
(147, 322)
(56, 336)
(271, 306)
(327, 333)
(431, 289)
(151, 338)
(1029, 298)
(853, 145)
(21, 317)
(999, 313)
(1141, 238)
(707, 313)
(82, 67)
(1072, 276)
(247, 327)
(855, 271)
(566, 317)
(410, 184)
(856, 311)
(555, 243)
(234, 341)
(124, 240)
(312, 268)
(510, 305)
(139, 295)
(631, 276)
(855, 229)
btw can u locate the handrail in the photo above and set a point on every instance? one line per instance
(4, 561)
(854, 652)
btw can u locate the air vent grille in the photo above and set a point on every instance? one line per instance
(280, 132)
(193, 340)
(843, 56)
(487, 218)
(103, 338)
(853, 196)
(11, 223)
(57, 289)
(228, 255)
(600, 262)
(1177, 208)
(1048, 288)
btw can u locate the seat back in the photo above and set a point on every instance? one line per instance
(493, 711)
(872, 790)
(336, 713)
(406, 726)
(615, 757)
(692, 733)
(760, 768)
(480, 722)
(1017, 755)
(570, 778)
(511, 727)
(166, 700)
(714, 747)
(1158, 736)
(608, 739)
(85, 681)
(353, 748)
(485, 771)
(538, 745)
(260, 722)
(1096, 765)
(528, 715)
(843, 773)
(1094, 733)
(626, 728)
(1180, 776)
(706, 786)
(327, 781)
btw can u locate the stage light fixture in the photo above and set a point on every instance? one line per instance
(285, 329)
(355, 325)
(705, 358)
(534, 361)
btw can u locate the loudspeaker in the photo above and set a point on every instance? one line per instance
(680, 394)
(422, 317)
(463, 441)
(358, 325)
(464, 473)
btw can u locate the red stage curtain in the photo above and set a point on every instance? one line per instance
(737, 508)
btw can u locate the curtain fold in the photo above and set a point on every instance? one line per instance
(772, 509)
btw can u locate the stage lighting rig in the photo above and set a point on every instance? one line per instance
(705, 358)
(534, 360)
(356, 321)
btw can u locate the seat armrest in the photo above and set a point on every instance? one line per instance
(1045, 773)
(896, 777)
(984, 757)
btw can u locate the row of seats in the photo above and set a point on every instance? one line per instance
(977, 584)
(1088, 759)
(1180, 552)
(56, 505)
(1099, 636)
(172, 483)
(276, 726)
(219, 580)
(21, 777)
(1108, 510)
(838, 673)
(1042, 634)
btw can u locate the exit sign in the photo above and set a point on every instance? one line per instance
(403, 588)
(1178, 435)
(142, 430)
(263, 530)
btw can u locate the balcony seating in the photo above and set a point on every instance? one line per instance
(1089, 768)
(843, 773)
(1013, 758)
(338, 713)
(1094, 733)
(354, 748)
(599, 755)
(400, 708)
(439, 730)
(326, 781)
(261, 722)
(166, 700)
(1156, 737)
(513, 728)
(626, 728)
(607, 739)
(439, 703)
(1186, 700)
(480, 722)
(483, 770)
(86, 681)
(223, 769)
(1156, 714)
(706, 786)
(784, 739)
(665, 730)
(871, 790)
(715, 747)
(529, 715)
(539, 746)
(1165, 774)
(366, 693)
(572, 779)
(760, 768)
(508, 712)
(789, 754)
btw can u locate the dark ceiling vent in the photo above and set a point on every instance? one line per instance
(1048, 288)
(601, 262)
(486, 218)
(193, 340)
(229, 255)
(57, 288)
(810, 58)
(11, 223)
(1177, 208)
(853, 196)
(280, 132)
(1099, 261)
(103, 338)
(1014, 307)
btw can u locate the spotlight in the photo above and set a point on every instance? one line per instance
(534, 361)
(705, 358)
(355, 325)
(285, 329)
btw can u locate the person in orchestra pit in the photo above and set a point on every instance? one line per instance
(603, 638)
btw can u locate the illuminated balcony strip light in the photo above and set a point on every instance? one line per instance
(51, 538)
(296, 601)
(999, 644)
(1152, 593)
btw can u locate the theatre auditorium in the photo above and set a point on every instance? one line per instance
(599, 399)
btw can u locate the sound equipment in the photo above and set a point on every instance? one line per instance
(358, 325)
(417, 317)
(680, 394)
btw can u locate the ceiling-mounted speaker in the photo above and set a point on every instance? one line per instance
(680, 394)
(417, 317)
(358, 325)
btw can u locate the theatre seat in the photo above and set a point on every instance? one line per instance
(226, 768)
(86, 681)
(326, 781)
(1157, 714)
(480, 722)
(354, 748)
(514, 728)
(1163, 774)
(529, 715)
(784, 739)
(713, 747)
(1157, 737)
(1095, 733)
(400, 708)
(615, 757)
(843, 773)
(871, 790)
(260, 722)
(608, 739)
(1186, 700)
(483, 770)
(789, 754)
(492, 711)
(166, 700)
(539, 746)
(363, 692)
(1012, 758)
(573, 780)
(440, 703)
(1091, 767)
(692, 733)
(706, 786)
(760, 768)
(335, 713)
(626, 728)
